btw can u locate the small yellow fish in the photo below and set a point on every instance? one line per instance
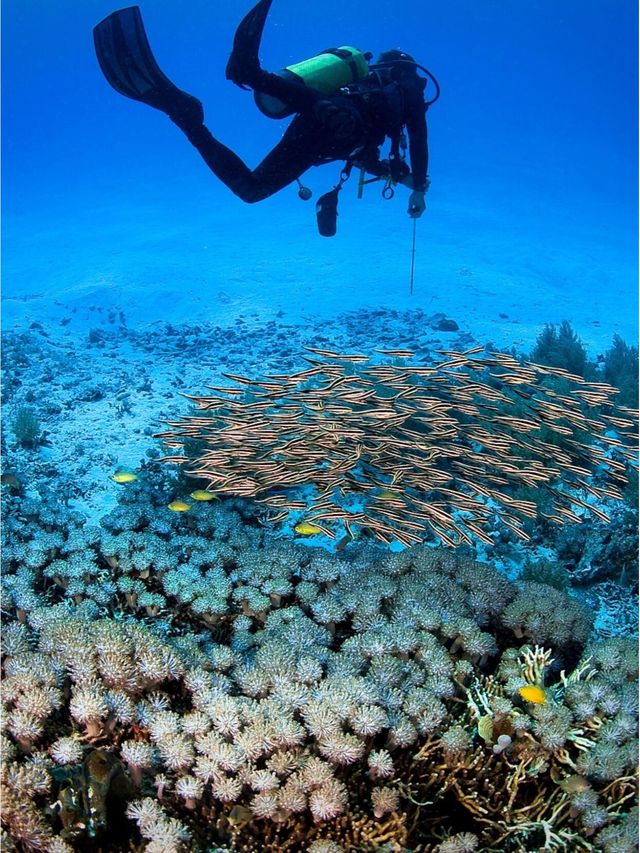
(533, 693)
(388, 495)
(124, 477)
(203, 495)
(240, 816)
(305, 528)
(179, 506)
(485, 728)
(574, 784)
(10, 480)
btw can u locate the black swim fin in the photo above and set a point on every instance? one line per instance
(126, 60)
(243, 66)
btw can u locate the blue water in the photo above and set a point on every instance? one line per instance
(533, 158)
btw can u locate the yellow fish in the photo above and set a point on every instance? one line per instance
(124, 477)
(305, 528)
(533, 693)
(388, 495)
(240, 816)
(203, 495)
(10, 480)
(178, 506)
(574, 784)
(485, 728)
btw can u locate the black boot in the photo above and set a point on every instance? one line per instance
(243, 67)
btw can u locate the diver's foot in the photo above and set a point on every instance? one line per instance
(186, 111)
(243, 67)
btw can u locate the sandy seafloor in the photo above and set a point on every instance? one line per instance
(499, 265)
(116, 308)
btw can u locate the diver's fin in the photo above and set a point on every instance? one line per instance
(244, 65)
(126, 60)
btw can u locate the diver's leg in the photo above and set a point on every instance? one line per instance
(294, 93)
(293, 155)
(243, 67)
(244, 63)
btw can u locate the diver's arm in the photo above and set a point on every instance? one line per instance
(416, 123)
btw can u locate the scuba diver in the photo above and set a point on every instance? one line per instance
(344, 109)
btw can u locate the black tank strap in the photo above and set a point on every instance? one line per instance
(347, 57)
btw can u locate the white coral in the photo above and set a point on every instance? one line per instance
(88, 704)
(176, 752)
(66, 750)
(189, 788)
(146, 813)
(315, 773)
(292, 797)
(369, 720)
(195, 724)
(227, 789)
(24, 726)
(39, 701)
(380, 764)
(163, 724)
(263, 780)
(57, 845)
(138, 754)
(328, 801)
(321, 720)
(224, 716)
(265, 804)
(342, 749)
(463, 842)
(324, 846)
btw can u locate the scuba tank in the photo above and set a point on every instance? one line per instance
(327, 72)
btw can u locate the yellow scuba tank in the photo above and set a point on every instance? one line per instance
(327, 72)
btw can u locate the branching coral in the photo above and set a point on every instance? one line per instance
(546, 787)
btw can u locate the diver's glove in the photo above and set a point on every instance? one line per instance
(417, 205)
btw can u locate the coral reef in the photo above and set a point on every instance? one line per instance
(26, 427)
(194, 683)
(561, 347)
(202, 682)
(621, 369)
(599, 552)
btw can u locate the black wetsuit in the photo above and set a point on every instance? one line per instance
(348, 125)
